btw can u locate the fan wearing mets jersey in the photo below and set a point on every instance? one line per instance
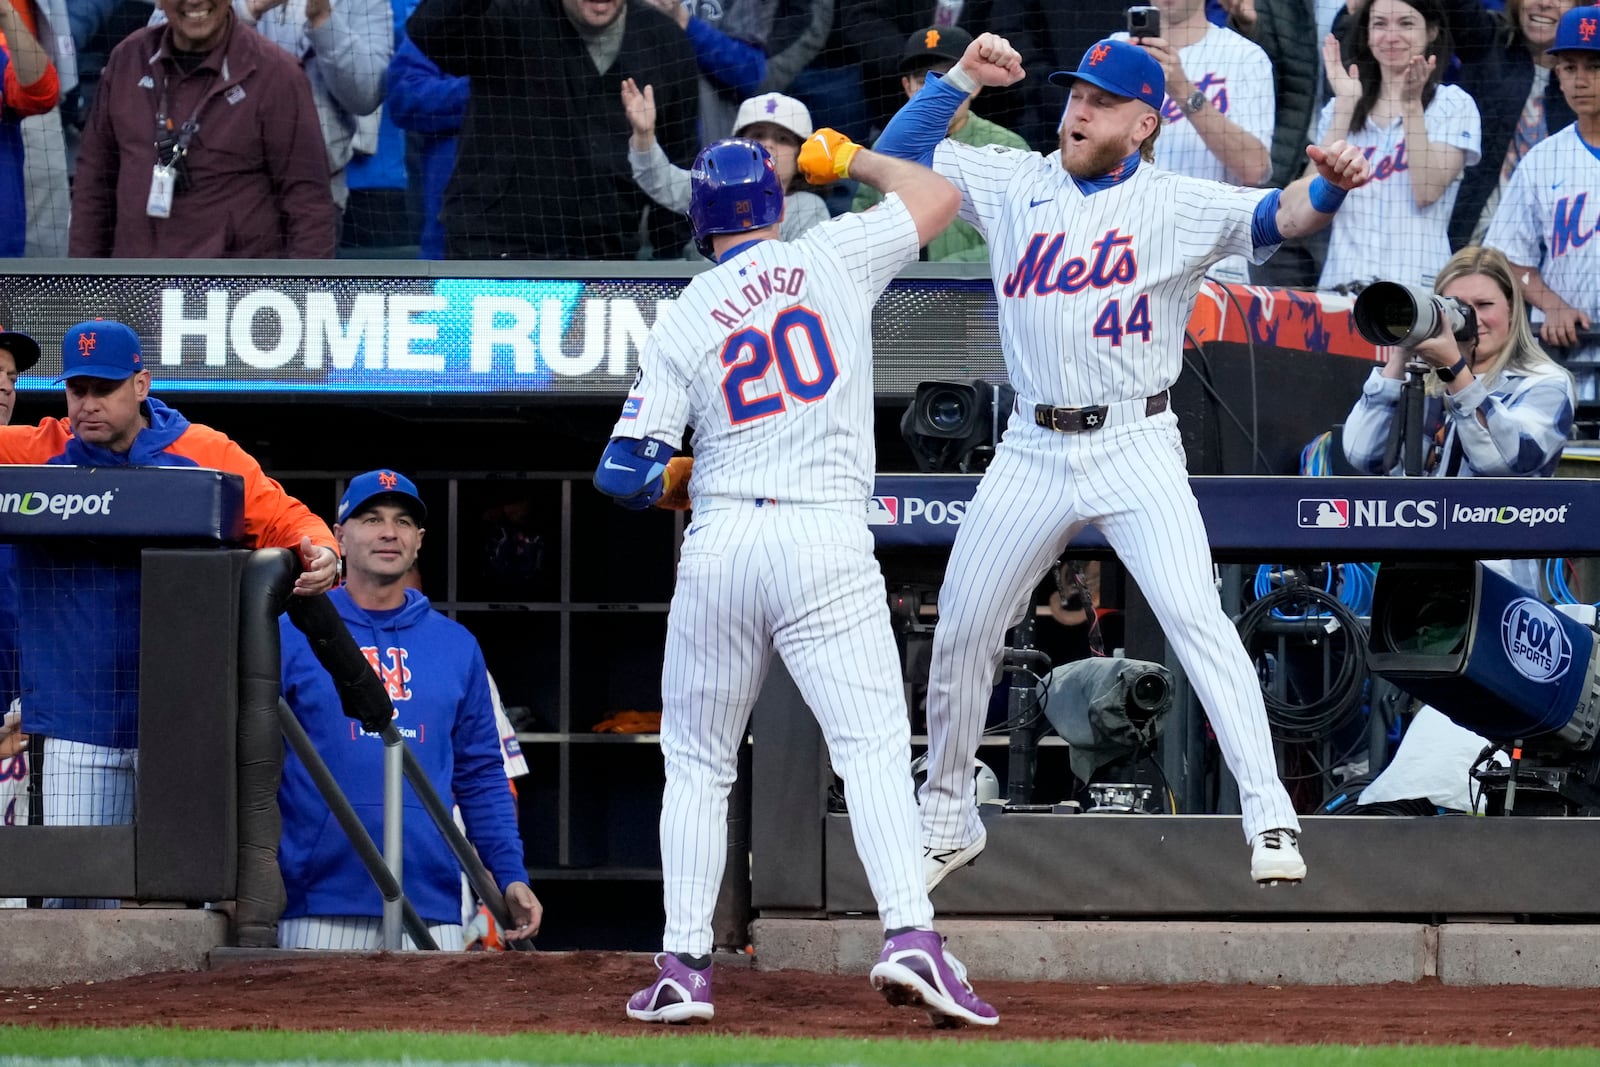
(1097, 259)
(1550, 212)
(769, 357)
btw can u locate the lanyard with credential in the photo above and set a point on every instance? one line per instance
(168, 172)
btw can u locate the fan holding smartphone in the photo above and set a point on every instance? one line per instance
(1219, 108)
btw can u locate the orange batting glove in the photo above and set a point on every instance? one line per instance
(675, 484)
(826, 156)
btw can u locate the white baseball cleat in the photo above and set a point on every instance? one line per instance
(1275, 857)
(937, 863)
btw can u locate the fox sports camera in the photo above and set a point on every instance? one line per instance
(1498, 660)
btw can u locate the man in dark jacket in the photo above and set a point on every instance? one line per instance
(240, 170)
(542, 170)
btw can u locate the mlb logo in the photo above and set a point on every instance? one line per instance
(883, 511)
(1324, 513)
(630, 407)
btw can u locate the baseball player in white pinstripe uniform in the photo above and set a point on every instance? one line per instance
(769, 357)
(1097, 259)
(1549, 215)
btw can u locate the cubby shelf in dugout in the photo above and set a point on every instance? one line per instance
(528, 562)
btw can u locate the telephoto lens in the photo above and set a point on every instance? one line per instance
(1389, 313)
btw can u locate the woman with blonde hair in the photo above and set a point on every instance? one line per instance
(1497, 406)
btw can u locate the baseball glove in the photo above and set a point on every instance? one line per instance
(826, 156)
(675, 484)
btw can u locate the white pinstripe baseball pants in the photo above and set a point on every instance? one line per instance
(1129, 480)
(800, 579)
(356, 933)
(87, 785)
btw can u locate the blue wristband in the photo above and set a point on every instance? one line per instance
(1325, 196)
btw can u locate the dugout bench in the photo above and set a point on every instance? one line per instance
(1144, 865)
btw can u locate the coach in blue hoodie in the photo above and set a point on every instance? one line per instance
(435, 675)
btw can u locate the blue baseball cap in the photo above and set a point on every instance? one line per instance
(365, 488)
(1120, 67)
(101, 348)
(1578, 31)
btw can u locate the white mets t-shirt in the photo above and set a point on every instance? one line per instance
(1380, 234)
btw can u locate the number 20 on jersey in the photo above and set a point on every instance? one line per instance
(798, 344)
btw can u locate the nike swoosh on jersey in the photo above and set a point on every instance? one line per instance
(1036, 203)
(610, 466)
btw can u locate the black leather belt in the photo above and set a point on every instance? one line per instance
(1082, 420)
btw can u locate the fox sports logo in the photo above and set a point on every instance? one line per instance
(1534, 641)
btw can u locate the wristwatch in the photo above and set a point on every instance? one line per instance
(1448, 374)
(1195, 102)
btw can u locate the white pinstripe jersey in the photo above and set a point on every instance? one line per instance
(1094, 291)
(1549, 218)
(768, 356)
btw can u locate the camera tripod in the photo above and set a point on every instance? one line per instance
(1406, 433)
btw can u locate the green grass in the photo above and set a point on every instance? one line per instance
(681, 1047)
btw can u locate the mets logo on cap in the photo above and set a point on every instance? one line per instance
(86, 343)
(1578, 31)
(388, 479)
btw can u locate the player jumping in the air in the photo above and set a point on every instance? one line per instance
(1097, 258)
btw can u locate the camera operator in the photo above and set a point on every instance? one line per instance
(1497, 405)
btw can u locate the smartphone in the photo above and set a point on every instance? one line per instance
(1144, 22)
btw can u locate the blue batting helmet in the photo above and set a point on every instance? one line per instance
(733, 188)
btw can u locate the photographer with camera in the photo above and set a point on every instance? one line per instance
(1496, 406)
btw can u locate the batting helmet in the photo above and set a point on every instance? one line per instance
(733, 188)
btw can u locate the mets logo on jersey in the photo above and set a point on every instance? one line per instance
(1111, 262)
(1325, 512)
(1567, 229)
(883, 511)
(395, 673)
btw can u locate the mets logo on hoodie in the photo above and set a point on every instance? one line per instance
(395, 673)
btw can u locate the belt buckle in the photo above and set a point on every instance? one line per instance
(1079, 420)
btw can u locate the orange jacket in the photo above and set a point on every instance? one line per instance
(272, 518)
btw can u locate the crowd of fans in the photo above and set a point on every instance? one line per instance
(560, 129)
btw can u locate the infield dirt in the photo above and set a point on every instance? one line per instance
(584, 993)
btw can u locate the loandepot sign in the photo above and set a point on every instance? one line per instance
(64, 505)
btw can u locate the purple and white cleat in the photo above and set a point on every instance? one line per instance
(915, 969)
(680, 994)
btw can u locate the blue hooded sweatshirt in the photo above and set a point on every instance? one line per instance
(435, 675)
(78, 610)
